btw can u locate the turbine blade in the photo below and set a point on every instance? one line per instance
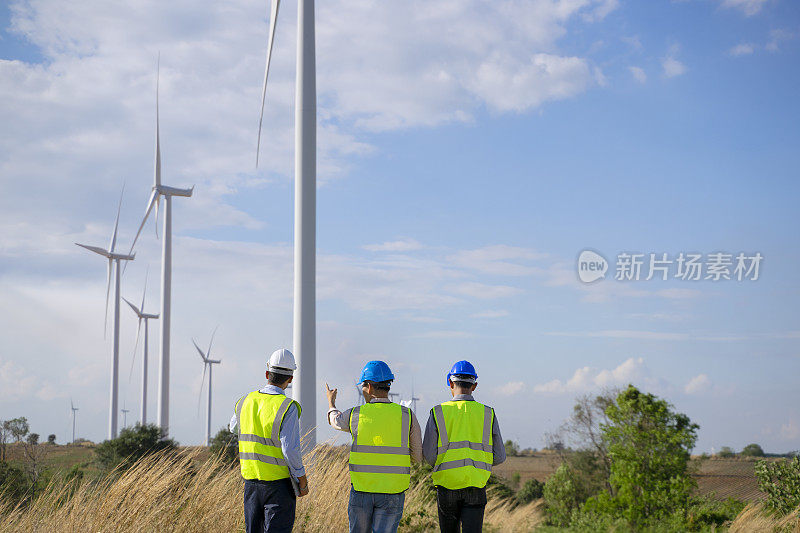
(153, 199)
(95, 249)
(144, 292)
(135, 309)
(273, 18)
(108, 295)
(135, 346)
(208, 353)
(157, 171)
(202, 355)
(202, 383)
(158, 201)
(113, 242)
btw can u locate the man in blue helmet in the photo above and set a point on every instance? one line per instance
(462, 443)
(386, 438)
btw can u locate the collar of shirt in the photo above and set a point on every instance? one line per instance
(271, 389)
(380, 400)
(463, 397)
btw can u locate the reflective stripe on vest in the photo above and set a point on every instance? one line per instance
(464, 454)
(380, 457)
(259, 417)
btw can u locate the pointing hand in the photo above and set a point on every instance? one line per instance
(331, 393)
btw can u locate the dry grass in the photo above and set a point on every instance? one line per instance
(191, 493)
(183, 493)
(755, 518)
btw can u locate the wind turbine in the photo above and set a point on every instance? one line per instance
(143, 317)
(74, 410)
(114, 259)
(208, 363)
(159, 190)
(125, 417)
(305, 207)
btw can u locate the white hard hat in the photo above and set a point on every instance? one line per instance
(281, 362)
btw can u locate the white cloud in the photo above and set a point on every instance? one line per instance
(698, 384)
(748, 7)
(484, 291)
(499, 313)
(741, 49)
(400, 245)
(445, 334)
(638, 74)
(511, 388)
(499, 259)
(632, 370)
(777, 37)
(790, 431)
(508, 83)
(672, 67)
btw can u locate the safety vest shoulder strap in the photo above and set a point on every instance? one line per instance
(445, 442)
(275, 438)
(405, 430)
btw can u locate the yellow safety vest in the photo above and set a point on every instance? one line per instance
(464, 455)
(259, 417)
(380, 457)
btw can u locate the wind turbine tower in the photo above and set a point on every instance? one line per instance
(143, 318)
(74, 410)
(208, 364)
(159, 190)
(114, 259)
(305, 209)
(125, 417)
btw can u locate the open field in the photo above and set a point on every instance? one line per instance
(724, 478)
(194, 492)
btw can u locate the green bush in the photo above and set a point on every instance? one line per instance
(13, 482)
(562, 495)
(752, 450)
(533, 489)
(780, 480)
(649, 445)
(726, 452)
(132, 444)
(706, 512)
(226, 445)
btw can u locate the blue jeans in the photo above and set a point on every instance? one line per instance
(374, 512)
(269, 506)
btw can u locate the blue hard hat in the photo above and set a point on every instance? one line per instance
(376, 371)
(462, 368)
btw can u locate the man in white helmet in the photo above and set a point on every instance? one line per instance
(269, 450)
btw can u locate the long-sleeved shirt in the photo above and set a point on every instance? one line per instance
(431, 441)
(341, 421)
(290, 434)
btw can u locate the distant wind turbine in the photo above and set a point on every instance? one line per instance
(114, 259)
(74, 410)
(208, 363)
(305, 208)
(143, 318)
(125, 417)
(159, 190)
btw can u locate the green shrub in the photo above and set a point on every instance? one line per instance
(752, 450)
(649, 445)
(780, 480)
(726, 452)
(132, 444)
(13, 482)
(226, 445)
(706, 512)
(533, 489)
(562, 495)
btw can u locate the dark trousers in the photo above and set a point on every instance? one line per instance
(461, 510)
(269, 506)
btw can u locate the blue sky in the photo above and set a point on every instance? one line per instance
(468, 153)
